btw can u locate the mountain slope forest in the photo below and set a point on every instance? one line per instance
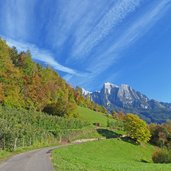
(26, 84)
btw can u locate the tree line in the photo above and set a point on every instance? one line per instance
(29, 85)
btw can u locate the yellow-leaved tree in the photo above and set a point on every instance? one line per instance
(136, 128)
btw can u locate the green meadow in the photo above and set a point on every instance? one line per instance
(92, 116)
(106, 155)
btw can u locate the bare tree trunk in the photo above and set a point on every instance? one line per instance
(15, 143)
(23, 142)
(4, 144)
(30, 141)
(60, 138)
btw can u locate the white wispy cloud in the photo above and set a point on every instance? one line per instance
(17, 17)
(112, 18)
(87, 23)
(40, 55)
(76, 28)
(65, 20)
(133, 33)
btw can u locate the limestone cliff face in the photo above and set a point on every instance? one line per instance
(124, 98)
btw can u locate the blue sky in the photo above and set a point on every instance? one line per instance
(92, 42)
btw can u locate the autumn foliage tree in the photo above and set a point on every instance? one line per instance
(161, 156)
(1, 93)
(136, 128)
(26, 84)
(161, 134)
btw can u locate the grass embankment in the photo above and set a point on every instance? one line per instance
(22, 130)
(92, 116)
(70, 133)
(4, 154)
(68, 129)
(106, 155)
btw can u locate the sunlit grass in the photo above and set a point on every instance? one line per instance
(106, 155)
(92, 116)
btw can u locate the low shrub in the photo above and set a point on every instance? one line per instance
(161, 156)
(115, 124)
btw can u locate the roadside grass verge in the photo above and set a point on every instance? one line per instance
(70, 136)
(106, 155)
(4, 155)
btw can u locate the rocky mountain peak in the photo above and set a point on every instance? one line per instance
(85, 92)
(107, 85)
(124, 98)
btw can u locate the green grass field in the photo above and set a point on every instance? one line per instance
(106, 155)
(92, 116)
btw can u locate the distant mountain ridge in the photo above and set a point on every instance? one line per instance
(124, 98)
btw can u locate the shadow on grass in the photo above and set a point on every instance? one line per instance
(129, 140)
(144, 161)
(108, 133)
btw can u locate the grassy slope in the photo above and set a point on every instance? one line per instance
(92, 116)
(106, 155)
(89, 132)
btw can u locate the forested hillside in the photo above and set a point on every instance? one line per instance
(26, 84)
(33, 101)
